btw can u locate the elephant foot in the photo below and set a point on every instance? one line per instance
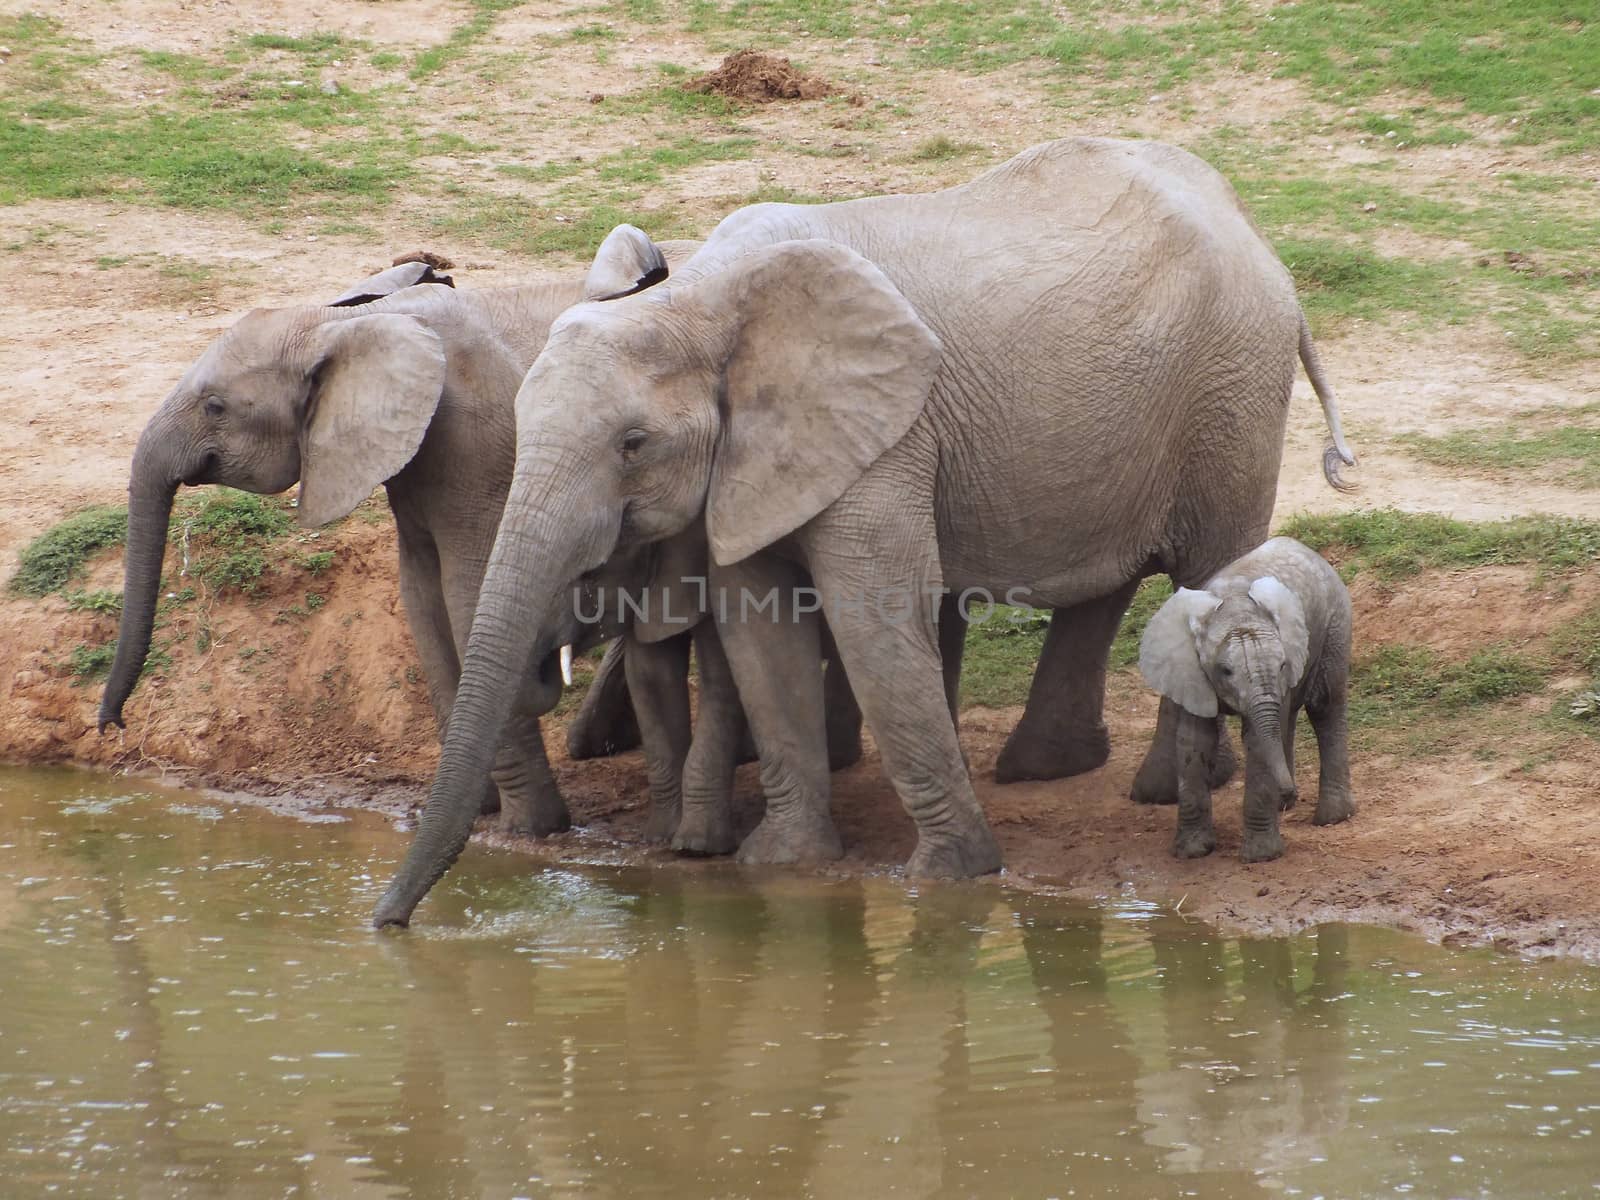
(1028, 755)
(1156, 781)
(800, 835)
(662, 822)
(705, 830)
(955, 854)
(1333, 807)
(1224, 761)
(1195, 841)
(1261, 847)
(539, 819)
(1288, 800)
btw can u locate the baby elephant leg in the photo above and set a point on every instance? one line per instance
(1334, 801)
(1196, 742)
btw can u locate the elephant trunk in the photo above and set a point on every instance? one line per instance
(1264, 736)
(553, 531)
(157, 471)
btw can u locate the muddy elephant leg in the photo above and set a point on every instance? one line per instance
(1195, 741)
(706, 826)
(605, 723)
(658, 680)
(776, 666)
(1330, 723)
(895, 668)
(1063, 732)
(1157, 779)
(530, 801)
(428, 617)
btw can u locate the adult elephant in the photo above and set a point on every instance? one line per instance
(401, 381)
(1068, 374)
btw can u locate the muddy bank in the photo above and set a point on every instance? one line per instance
(293, 704)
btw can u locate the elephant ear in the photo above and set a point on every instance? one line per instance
(1283, 606)
(627, 262)
(375, 385)
(385, 283)
(827, 367)
(1168, 658)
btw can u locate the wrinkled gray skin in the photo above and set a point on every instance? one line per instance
(1066, 375)
(409, 386)
(1267, 636)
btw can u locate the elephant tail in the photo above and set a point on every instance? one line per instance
(1339, 452)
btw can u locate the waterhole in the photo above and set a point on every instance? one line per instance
(191, 1005)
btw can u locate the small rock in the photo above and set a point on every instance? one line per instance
(1389, 134)
(1369, 206)
(596, 97)
(330, 87)
(294, 83)
(1262, 890)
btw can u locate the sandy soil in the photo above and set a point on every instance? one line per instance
(1476, 843)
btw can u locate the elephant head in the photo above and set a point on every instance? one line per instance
(337, 397)
(1244, 653)
(748, 398)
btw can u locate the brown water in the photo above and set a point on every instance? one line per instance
(192, 1006)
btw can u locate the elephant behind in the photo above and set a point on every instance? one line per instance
(402, 381)
(1064, 376)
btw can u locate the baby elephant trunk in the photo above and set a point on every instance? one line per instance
(1266, 746)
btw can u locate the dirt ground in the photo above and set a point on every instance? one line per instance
(1472, 843)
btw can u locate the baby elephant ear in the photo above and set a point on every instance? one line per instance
(627, 262)
(1283, 606)
(1168, 658)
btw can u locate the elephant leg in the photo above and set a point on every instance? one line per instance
(893, 661)
(428, 617)
(658, 680)
(1062, 731)
(1156, 781)
(1262, 839)
(530, 801)
(604, 724)
(706, 826)
(1331, 724)
(776, 666)
(1195, 739)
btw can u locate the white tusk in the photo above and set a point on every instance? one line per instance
(566, 666)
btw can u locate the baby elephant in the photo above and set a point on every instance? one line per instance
(1268, 636)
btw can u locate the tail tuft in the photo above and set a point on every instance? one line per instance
(1332, 460)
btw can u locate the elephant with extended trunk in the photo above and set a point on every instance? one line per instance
(401, 381)
(1068, 374)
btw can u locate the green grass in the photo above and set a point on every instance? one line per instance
(436, 58)
(942, 149)
(57, 556)
(1394, 544)
(102, 600)
(1001, 653)
(1338, 282)
(1398, 686)
(228, 533)
(1567, 439)
(88, 663)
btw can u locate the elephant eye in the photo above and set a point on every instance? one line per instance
(213, 407)
(632, 441)
(1228, 671)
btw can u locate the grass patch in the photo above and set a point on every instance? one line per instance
(227, 533)
(1002, 652)
(1573, 444)
(102, 600)
(1339, 282)
(88, 663)
(942, 149)
(1394, 544)
(435, 58)
(57, 556)
(1399, 686)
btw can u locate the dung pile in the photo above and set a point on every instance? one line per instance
(760, 79)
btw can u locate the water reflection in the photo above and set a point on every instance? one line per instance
(193, 1008)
